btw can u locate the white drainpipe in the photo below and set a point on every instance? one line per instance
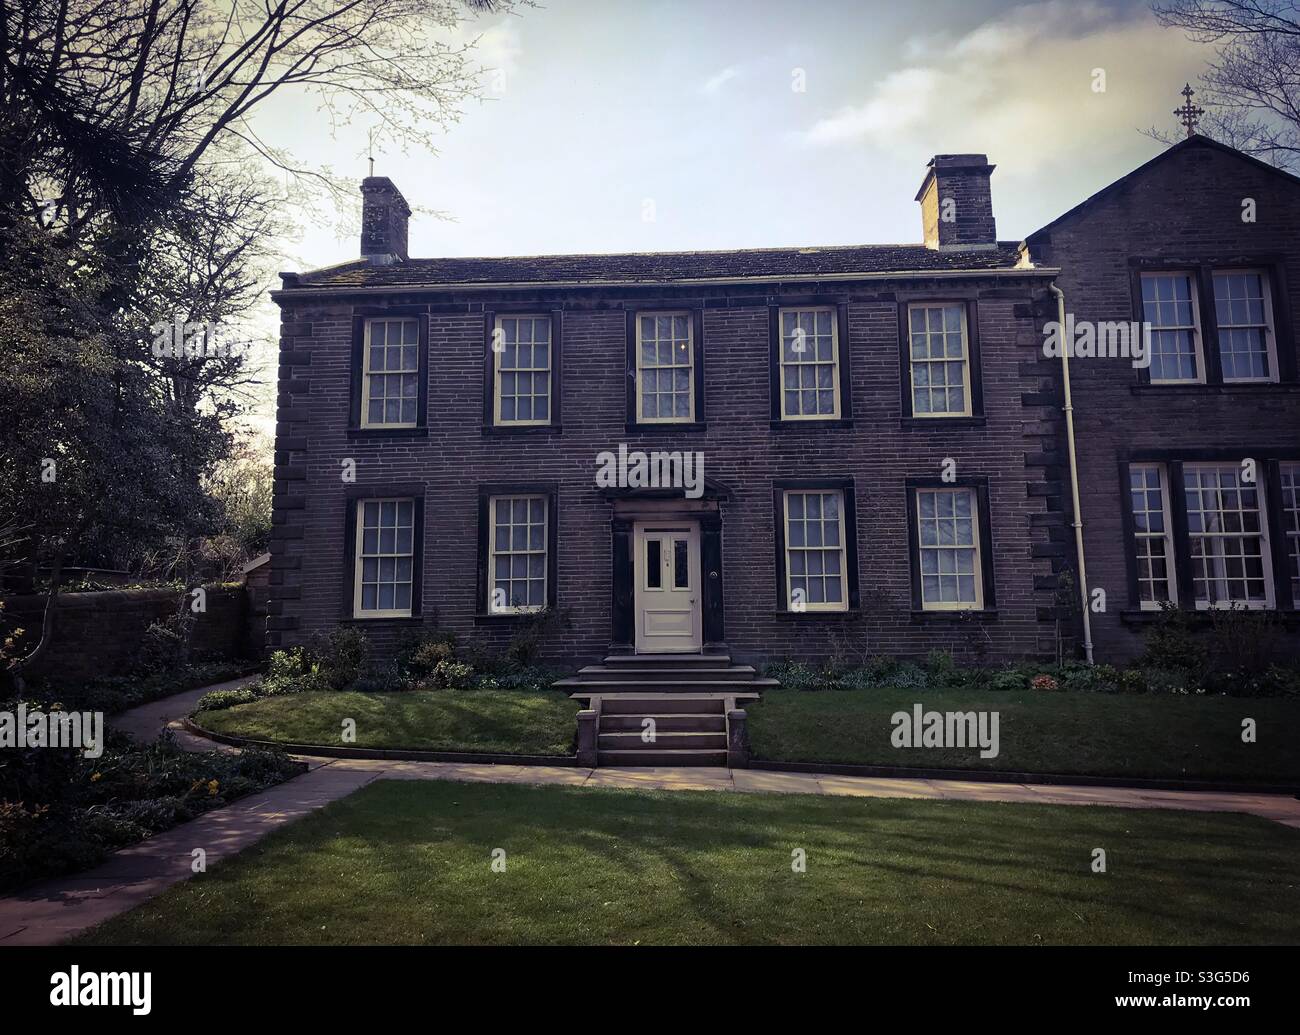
(1074, 475)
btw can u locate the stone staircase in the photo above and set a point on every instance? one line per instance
(663, 709)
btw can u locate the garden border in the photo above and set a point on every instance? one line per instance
(388, 754)
(827, 768)
(1010, 776)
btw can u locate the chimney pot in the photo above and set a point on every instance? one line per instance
(957, 203)
(384, 218)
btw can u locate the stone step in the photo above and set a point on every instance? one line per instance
(679, 685)
(664, 741)
(638, 672)
(662, 705)
(665, 722)
(664, 757)
(670, 660)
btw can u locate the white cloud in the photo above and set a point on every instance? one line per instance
(714, 84)
(1020, 86)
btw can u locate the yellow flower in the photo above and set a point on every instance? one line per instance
(94, 777)
(213, 787)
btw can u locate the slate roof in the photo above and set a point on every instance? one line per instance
(659, 267)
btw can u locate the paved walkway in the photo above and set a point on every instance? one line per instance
(50, 912)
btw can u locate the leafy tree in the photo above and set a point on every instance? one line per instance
(135, 192)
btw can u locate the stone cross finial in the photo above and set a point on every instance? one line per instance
(1189, 114)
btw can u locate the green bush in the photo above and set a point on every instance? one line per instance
(166, 645)
(795, 675)
(526, 646)
(61, 811)
(341, 655)
(1008, 679)
(215, 700)
(1174, 640)
(909, 676)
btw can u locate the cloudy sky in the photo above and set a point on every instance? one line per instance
(643, 125)
(750, 123)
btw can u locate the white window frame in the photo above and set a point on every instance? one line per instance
(518, 609)
(782, 363)
(1289, 475)
(1166, 537)
(823, 605)
(641, 367)
(1268, 327)
(968, 408)
(951, 605)
(498, 335)
(367, 373)
(1266, 561)
(1198, 340)
(359, 558)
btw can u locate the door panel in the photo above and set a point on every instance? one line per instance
(667, 581)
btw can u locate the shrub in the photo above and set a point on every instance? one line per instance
(1242, 644)
(449, 674)
(1044, 682)
(1174, 640)
(525, 648)
(74, 809)
(293, 671)
(341, 655)
(941, 668)
(1078, 678)
(795, 675)
(1007, 679)
(1172, 680)
(426, 654)
(166, 644)
(909, 676)
(380, 679)
(216, 700)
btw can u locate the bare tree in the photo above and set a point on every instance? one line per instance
(1252, 87)
(117, 107)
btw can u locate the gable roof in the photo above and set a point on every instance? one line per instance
(659, 267)
(1194, 141)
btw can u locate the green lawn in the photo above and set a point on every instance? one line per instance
(1042, 732)
(408, 862)
(516, 722)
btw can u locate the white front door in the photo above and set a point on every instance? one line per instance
(667, 579)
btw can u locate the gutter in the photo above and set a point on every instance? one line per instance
(1074, 479)
(307, 290)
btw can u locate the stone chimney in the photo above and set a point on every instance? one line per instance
(384, 216)
(957, 204)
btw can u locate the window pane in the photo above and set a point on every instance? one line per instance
(681, 568)
(938, 367)
(808, 363)
(815, 561)
(666, 371)
(523, 382)
(1167, 305)
(1229, 547)
(948, 548)
(654, 564)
